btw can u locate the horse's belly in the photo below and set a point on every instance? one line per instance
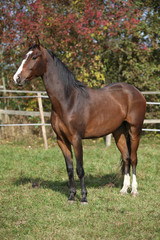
(101, 128)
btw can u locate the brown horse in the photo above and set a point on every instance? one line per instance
(79, 112)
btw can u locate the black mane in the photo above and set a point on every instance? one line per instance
(33, 47)
(67, 77)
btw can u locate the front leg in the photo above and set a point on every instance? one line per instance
(67, 152)
(78, 150)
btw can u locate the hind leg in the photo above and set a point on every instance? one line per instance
(134, 139)
(121, 142)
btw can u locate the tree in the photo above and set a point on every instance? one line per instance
(100, 41)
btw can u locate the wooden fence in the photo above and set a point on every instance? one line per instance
(42, 114)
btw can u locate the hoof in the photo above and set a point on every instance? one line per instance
(71, 201)
(123, 192)
(134, 194)
(71, 198)
(84, 203)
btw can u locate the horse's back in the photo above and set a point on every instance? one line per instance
(110, 106)
(123, 88)
(123, 91)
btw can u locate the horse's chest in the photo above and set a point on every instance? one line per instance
(60, 128)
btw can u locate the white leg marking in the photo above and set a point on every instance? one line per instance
(126, 184)
(15, 77)
(134, 186)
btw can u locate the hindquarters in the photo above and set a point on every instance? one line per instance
(136, 108)
(127, 137)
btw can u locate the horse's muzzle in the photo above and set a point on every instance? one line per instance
(17, 80)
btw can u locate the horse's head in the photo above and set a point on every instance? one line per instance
(33, 64)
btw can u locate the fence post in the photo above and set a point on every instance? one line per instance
(108, 140)
(42, 120)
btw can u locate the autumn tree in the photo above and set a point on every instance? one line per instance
(100, 41)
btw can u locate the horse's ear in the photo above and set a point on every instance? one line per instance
(29, 42)
(37, 41)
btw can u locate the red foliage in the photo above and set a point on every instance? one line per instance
(83, 30)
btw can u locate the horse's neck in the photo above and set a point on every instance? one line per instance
(53, 85)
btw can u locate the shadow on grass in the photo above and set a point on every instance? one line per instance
(108, 180)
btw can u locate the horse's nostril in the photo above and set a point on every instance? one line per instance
(18, 79)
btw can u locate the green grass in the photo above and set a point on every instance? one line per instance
(43, 212)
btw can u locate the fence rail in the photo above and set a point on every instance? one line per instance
(42, 94)
(22, 91)
(48, 114)
(23, 113)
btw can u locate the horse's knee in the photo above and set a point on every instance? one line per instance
(80, 171)
(134, 162)
(70, 172)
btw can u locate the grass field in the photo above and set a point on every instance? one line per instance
(42, 212)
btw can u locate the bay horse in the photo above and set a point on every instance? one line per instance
(79, 112)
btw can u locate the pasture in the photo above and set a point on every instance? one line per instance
(34, 193)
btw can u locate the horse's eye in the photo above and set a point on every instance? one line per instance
(34, 57)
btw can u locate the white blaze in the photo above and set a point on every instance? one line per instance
(15, 77)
